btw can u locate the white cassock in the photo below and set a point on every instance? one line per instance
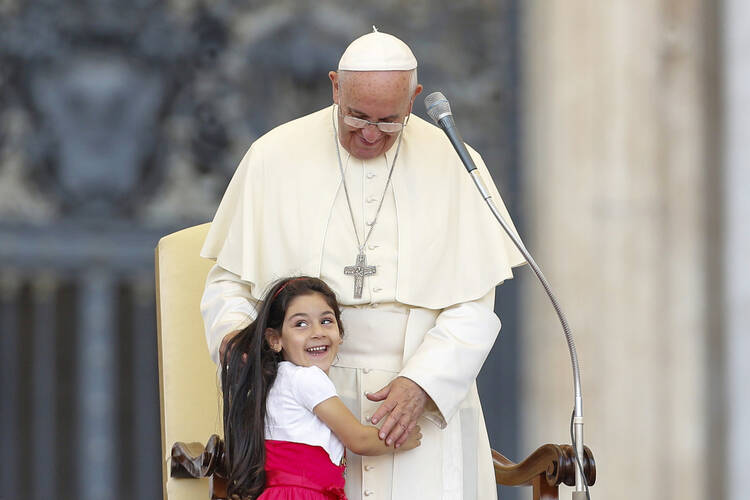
(427, 313)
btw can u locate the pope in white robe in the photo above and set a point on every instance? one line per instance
(311, 196)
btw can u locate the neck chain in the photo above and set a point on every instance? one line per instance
(361, 269)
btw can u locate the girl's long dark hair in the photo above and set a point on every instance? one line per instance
(246, 383)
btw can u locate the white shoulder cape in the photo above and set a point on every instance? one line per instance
(273, 218)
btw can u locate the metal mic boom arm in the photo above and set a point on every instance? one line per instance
(578, 406)
(439, 110)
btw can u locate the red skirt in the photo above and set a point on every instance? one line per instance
(296, 471)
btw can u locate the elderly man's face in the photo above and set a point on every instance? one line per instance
(375, 96)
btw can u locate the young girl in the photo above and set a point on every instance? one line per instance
(285, 428)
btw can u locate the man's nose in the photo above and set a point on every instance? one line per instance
(371, 132)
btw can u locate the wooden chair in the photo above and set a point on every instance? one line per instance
(190, 402)
(188, 384)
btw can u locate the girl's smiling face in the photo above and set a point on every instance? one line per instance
(310, 335)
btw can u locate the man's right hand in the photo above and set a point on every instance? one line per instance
(223, 346)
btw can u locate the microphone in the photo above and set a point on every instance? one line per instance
(440, 111)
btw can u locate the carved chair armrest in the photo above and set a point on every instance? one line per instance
(196, 460)
(193, 460)
(551, 464)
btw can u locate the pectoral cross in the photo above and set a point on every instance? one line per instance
(359, 271)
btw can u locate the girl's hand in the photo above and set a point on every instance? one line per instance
(413, 440)
(403, 403)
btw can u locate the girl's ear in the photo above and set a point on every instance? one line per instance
(274, 339)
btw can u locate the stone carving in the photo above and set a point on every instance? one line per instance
(20, 200)
(105, 83)
(101, 112)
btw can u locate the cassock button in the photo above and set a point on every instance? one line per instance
(368, 468)
(366, 370)
(372, 247)
(377, 289)
(370, 175)
(371, 199)
(369, 492)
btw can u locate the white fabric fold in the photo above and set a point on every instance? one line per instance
(226, 306)
(273, 218)
(461, 339)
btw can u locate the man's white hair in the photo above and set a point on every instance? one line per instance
(413, 79)
(413, 82)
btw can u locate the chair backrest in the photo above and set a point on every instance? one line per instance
(188, 387)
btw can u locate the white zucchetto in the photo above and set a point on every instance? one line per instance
(377, 52)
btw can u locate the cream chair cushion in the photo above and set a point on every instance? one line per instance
(188, 387)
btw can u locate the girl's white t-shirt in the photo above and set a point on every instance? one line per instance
(289, 408)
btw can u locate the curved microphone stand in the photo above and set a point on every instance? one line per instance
(439, 110)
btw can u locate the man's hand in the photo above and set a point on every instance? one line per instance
(225, 341)
(404, 404)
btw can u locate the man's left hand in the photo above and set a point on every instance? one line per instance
(404, 404)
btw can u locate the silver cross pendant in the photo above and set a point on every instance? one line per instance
(359, 271)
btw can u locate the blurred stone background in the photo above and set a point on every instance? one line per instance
(617, 133)
(121, 122)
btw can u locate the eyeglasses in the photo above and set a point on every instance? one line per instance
(385, 127)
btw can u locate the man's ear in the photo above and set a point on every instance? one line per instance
(417, 91)
(274, 339)
(334, 85)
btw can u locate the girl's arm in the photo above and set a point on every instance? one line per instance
(361, 439)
